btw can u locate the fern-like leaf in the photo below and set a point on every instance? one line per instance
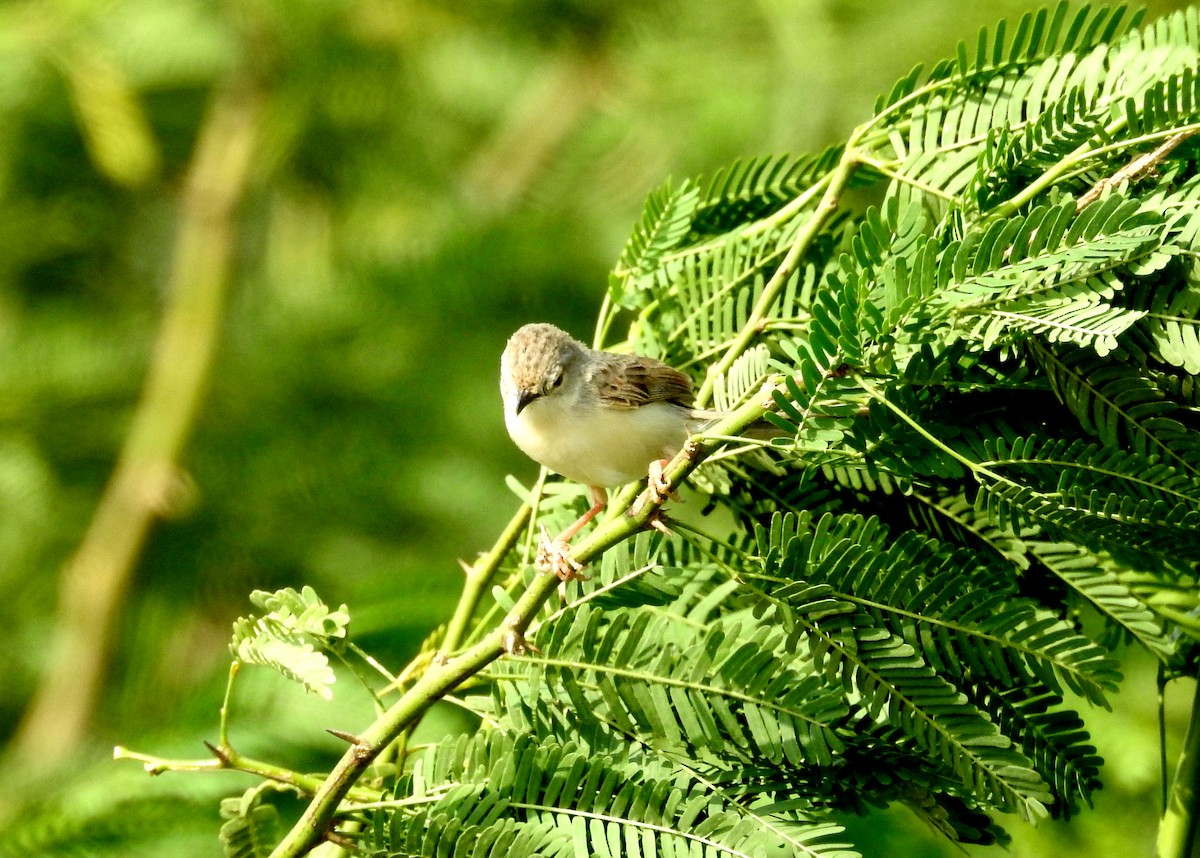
(963, 625)
(743, 379)
(886, 671)
(666, 219)
(725, 692)
(1173, 324)
(1055, 739)
(1094, 583)
(291, 636)
(251, 827)
(753, 188)
(508, 796)
(303, 612)
(1113, 401)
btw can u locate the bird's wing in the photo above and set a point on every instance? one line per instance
(630, 381)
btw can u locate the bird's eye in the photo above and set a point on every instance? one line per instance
(555, 380)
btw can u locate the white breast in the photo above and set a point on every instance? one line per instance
(597, 445)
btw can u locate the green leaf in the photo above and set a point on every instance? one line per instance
(303, 612)
(666, 219)
(1095, 581)
(291, 636)
(502, 795)
(251, 827)
(1118, 403)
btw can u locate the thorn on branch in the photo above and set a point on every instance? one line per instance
(222, 754)
(514, 642)
(513, 638)
(658, 521)
(348, 738)
(348, 844)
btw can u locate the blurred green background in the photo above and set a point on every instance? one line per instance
(423, 178)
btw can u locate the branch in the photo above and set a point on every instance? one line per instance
(225, 759)
(479, 574)
(147, 474)
(1138, 168)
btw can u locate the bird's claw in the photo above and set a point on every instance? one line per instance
(658, 484)
(554, 555)
(658, 491)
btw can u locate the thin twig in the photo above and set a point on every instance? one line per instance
(478, 575)
(225, 759)
(1177, 833)
(1138, 168)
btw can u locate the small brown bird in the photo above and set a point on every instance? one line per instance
(598, 418)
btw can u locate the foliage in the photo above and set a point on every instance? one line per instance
(289, 635)
(915, 599)
(986, 483)
(251, 825)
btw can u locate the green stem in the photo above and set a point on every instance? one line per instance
(511, 582)
(1053, 175)
(1161, 687)
(1185, 618)
(479, 575)
(1177, 831)
(974, 467)
(225, 759)
(604, 320)
(444, 677)
(835, 183)
(235, 667)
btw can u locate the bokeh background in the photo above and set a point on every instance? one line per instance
(420, 178)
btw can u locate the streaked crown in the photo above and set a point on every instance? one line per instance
(535, 362)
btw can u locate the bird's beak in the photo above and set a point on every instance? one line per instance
(524, 397)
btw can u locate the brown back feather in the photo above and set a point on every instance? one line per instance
(630, 381)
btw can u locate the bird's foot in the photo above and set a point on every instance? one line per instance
(658, 490)
(658, 484)
(554, 555)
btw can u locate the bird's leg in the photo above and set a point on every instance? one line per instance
(599, 499)
(554, 555)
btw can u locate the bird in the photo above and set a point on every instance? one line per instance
(596, 417)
